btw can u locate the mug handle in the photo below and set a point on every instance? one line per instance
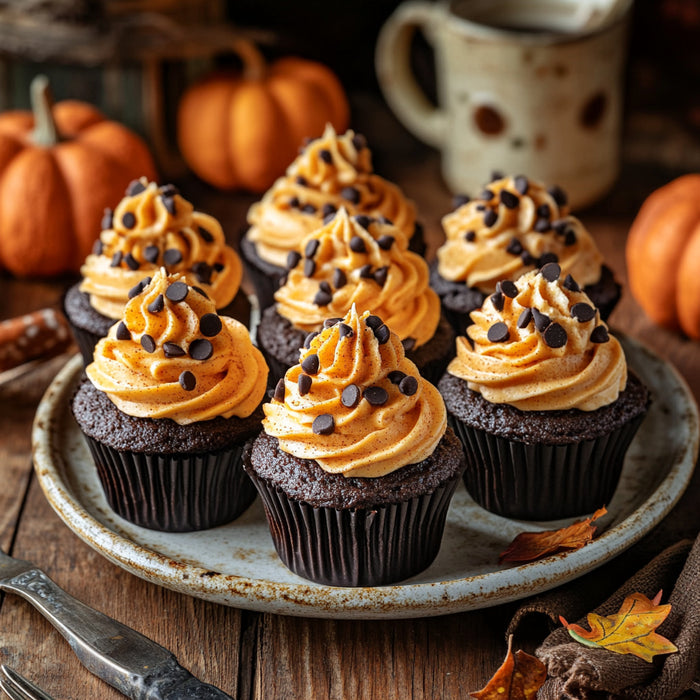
(396, 80)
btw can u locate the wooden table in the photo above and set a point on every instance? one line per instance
(253, 655)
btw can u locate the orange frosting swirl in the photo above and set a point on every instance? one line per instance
(377, 272)
(152, 227)
(565, 360)
(387, 424)
(524, 227)
(148, 364)
(332, 172)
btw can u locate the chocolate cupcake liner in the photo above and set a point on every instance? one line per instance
(86, 342)
(356, 547)
(543, 482)
(264, 276)
(174, 493)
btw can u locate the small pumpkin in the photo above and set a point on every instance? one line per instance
(60, 166)
(240, 130)
(663, 255)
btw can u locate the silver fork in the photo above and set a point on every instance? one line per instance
(17, 687)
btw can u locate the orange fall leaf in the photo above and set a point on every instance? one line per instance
(629, 631)
(519, 678)
(529, 546)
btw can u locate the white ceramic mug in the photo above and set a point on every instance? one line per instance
(522, 88)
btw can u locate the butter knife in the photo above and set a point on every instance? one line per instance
(136, 666)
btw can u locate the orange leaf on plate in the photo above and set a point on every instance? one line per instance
(519, 678)
(528, 546)
(630, 631)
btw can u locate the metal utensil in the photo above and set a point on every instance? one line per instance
(128, 661)
(17, 687)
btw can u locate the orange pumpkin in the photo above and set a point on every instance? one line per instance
(60, 167)
(663, 255)
(240, 130)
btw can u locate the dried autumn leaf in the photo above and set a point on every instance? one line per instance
(519, 678)
(629, 631)
(528, 546)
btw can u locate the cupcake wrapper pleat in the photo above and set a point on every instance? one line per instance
(543, 482)
(174, 493)
(362, 547)
(86, 342)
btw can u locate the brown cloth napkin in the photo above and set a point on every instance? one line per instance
(578, 672)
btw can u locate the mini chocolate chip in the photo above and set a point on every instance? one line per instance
(129, 220)
(157, 305)
(509, 200)
(339, 278)
(293, 258)
(328, 218)
(380, 275)
(172, 256)
(135, 187)
(107, 218)
(541, 320)
(508, 288)
(480, 207)
(559, 226)
(322, 298)
(151, 253)
(210, 325)
(323, 424)
(357, 245)
(201, 349)
(187, 380)
(131, 262)
(304, 383)
(218, 266)
(328, 210)
(366, 271)
(117, 259)
(555, 335)
(498, 301)
(135, 290)
(325, 155)
(395, 376)
(169, 190)
(177, 292)
(582, 312)
(551, 271)
(325, 287)
(542, 225)
(571, 284)
(558, 195)
(470, 236)
(382, 334)
(309, 267)
(359, 142)
(384, 220)
(147, 343)
(521, 184)
(498, 333)
(123, 332)
(514, 247)
(310, 364)
(309, 338)
(600, 335)
(345, 331)
(330, 322)
(294, 202)
(459, 200)
(203, 271)
(385, 242)
(309, 209)
(351, 194)
(300, 180)
(524, 318)
(486, 195)
(98, 247)
(547, 258)
(206, 235)
(408, 386)
(373, 322)
(279, 391)
(376, 395)
(199, 290)
(528, 258)
(351, 396)
(363, 220)
(496, 175)
(490, 218)
(169, 203)
(172, 350)
(311, 247)
(408, 344)
(570, 237)
(544, 212)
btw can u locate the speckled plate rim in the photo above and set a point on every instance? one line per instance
(396, 601)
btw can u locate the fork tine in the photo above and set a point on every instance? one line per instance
(22, 688)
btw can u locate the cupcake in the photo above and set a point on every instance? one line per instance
(542, 400)
(363, 261)
(516, 225)
(172, 395)
(151, 227)
(331, 172)
(355, 465)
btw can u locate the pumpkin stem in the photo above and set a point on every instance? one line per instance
(45, 132)
(253, 61)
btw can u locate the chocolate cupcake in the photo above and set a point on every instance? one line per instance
(151, 227)
(169, 401)
(363, 261)
(514, 226)
(355, 465)
(542, 400)
(331, 172)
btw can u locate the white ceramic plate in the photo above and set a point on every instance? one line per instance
(237, 565)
